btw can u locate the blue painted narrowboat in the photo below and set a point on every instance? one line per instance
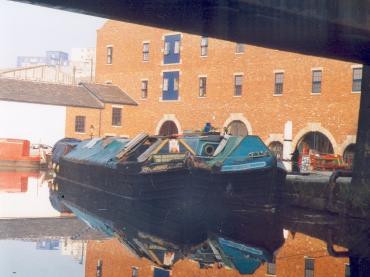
(188, 167)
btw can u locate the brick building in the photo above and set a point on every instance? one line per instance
(301, 255)
(181, 81)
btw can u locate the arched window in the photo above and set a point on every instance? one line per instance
(349, 154)
(277, 148)
(316, 142)
(237, 128)
(168, 128)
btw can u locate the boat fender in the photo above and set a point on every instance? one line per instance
(189, 160)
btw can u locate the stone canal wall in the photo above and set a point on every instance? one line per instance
(312, 191)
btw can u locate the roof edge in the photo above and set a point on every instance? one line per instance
(91, 93)
(111, 102)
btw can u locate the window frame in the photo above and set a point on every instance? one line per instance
(176, 47)
(172, 48)
(116, 120)
(146, 51)
(316, 84)
(204, 46)
(170, 85)
(347, 270)
(239, 48)
(356, 82)
(109, 53)
(279, 83)
(309, 267)
(165, 84)
(271, 269)
(238, 88)
(202, 86)
(134, 271)
(167, 48)
(144, 89)
(80, 126)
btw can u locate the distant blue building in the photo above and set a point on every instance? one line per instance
(52, 58)
(57, 58)
(29, 60)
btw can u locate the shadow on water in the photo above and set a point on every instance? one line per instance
(223, 233)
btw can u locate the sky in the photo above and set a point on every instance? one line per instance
(28, 30)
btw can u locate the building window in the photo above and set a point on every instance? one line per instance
(309, 266)
(170, 90)
(356, 79)
(202, 86)
(167, 46)
(135, 271)
(144, 89)
(347, 271)
(271, 269)
(239, 48)
(171, 49)
(165, 84)
(99, 268)
(145, 51)
(238, 85)
(237, 128)
(276, 147)
(159, 272)
(204, 46)
(316, 81)
(176, 49)
(109, 55)
(80, 124)
(279, 80)
(116, 116)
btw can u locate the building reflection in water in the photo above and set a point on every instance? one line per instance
(178, 239)
(37, 239)
(291, 260)
(25, 194)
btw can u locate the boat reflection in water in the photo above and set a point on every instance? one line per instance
(213, 239)
(166, 234)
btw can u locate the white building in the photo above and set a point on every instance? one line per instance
(83, 61)
(37, 111)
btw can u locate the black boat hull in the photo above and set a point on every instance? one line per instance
(130, 183)
(254, 189)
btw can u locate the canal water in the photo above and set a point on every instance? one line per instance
(54, 229)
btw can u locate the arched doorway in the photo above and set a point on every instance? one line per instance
(168, 128)
(237, 128)
(311, 143)
(277, 148)
(315, 142)
(349, 154)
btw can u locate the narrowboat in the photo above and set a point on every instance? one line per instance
(15, 153)
(242, 170)
(61, 148)
(192, 167)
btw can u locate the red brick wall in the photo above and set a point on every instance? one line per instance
(336, 108)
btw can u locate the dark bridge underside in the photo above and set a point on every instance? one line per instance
(332, 28)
